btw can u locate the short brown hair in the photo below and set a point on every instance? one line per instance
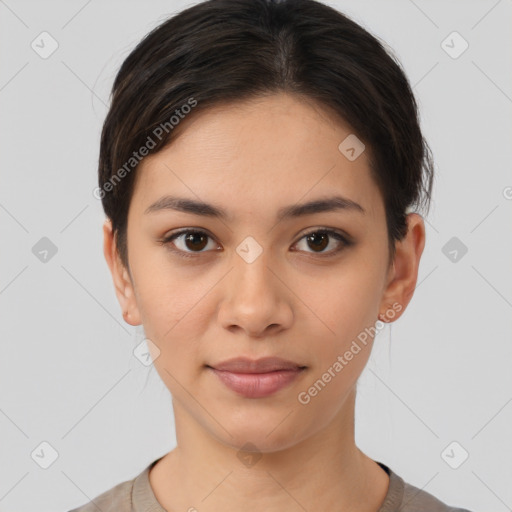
(222, 51)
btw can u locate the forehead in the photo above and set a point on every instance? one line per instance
(250, 155)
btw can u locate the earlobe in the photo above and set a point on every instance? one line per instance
(404, 274)
(120, 277)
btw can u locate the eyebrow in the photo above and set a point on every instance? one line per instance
(182, 204)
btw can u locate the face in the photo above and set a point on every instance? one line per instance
(252, 283)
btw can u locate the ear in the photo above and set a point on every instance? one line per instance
(121, 277)
(403, 274)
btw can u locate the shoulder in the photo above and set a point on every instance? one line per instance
(409, 498)
(418, 500)
(116, 499)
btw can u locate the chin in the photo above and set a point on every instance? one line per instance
(261, 435)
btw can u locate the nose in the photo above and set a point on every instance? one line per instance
(256, 300)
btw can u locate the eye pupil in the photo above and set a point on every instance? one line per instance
(322, 244)
(192, 237)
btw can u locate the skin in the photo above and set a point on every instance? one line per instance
(252, 159)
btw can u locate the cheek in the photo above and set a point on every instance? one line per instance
(169, 298)
(174, 318)
(344, 302)
(347, 305)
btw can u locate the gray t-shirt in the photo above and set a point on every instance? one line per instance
(137, 496)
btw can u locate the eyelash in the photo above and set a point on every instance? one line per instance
(167, 241)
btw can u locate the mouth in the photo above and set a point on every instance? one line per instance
(257, 378)
(263, 365)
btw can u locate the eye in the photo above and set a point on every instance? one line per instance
(319, 239)
(192, 239)
(188, 243)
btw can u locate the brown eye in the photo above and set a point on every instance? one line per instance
(195, 241)
(187, 242)
(320, 239)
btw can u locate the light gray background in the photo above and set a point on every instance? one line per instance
(68, 377)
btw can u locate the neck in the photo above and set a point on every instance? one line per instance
(326, 470)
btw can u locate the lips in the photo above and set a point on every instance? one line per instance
(263, 365)
(257, 378)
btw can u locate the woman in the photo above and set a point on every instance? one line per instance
(260, 167)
